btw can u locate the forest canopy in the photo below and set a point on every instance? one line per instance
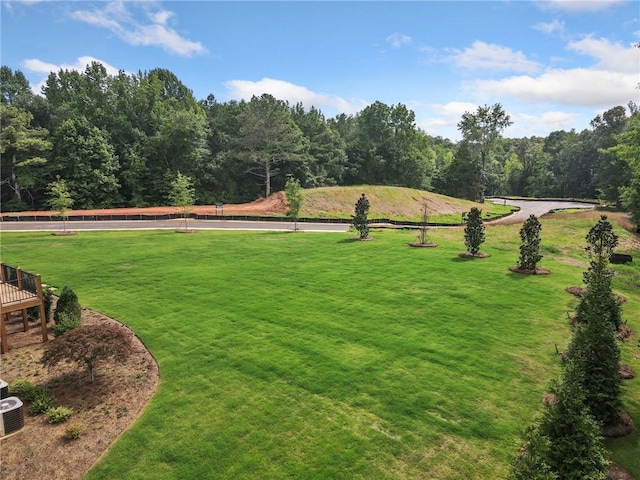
(120, 140)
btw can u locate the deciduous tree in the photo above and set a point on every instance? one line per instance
(60, 199)
(87, 346)
(182, 195)
(481, 130)
(295, 199)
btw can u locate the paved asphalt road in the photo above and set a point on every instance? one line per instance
(527, 207)
(536, 207)
(169, 224)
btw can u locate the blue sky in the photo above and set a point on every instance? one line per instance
(553, 65)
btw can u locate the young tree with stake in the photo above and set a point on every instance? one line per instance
(295, 199)
(183, 195)
(60, 199)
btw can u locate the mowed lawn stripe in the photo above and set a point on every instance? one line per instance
(307, 356)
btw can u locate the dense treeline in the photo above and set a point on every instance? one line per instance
(121, 140)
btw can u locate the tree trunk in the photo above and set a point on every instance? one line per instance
(267, 177)
(14, 180)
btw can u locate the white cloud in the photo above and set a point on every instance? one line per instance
(398, 39)
(117, 18)
(526, 125)
(44, 68)
(611, 80)
(441, 118)
(611, 56)
(556, 26)
(576, 6)
(580, 86)
(245, 89)
(483, 55)
(455, 109)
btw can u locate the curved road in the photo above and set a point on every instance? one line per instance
(535, 207)
(527, 207)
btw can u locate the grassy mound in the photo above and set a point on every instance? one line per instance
(397, 203)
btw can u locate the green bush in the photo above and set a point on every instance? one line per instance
(58, 414)
(42, 400)
(65, 323)
(47, 300)
(67, 305)
(22, 389)
(73, 431)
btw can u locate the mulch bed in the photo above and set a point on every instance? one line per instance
(422, 245)
(621, 427)
(579, 291)
(528, 271)
(472, 256)
(103, 409)
(626, 372)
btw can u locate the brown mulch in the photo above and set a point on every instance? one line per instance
(103, 409)
(620, 427)
(422, 245)
(624, 332)
(579, 291)
(528, 271)
(477, 255)
(616, 472)
(626, 372)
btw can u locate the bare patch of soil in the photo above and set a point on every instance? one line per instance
(275, 204)
(358, 239)
(471, 255)
(103, 409)
(529, 271)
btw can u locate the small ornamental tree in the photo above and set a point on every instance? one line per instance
(183, 195)
(87, 346)
(423, 236)
(530, 248)
(474, 231)
(295, 199)
(598, 278)
(60, 199)
(67, 305)
(360, 218)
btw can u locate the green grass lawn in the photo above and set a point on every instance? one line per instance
(309, 356)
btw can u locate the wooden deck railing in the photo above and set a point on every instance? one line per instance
(19, 291)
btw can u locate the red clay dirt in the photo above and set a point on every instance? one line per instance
(275, 204)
